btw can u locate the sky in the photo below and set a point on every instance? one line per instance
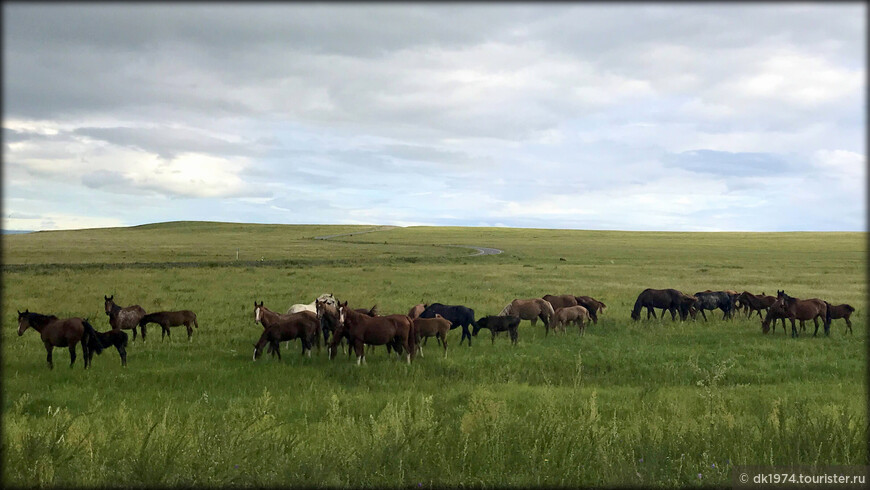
(621, 116)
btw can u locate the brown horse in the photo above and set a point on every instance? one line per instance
(803, 310)
(530, 309)
(431, 327)
(667, 299)
(843, 311)
(168, 319)
(774, 313)
(592, 305)
(124, 318)
(577, 315)
(60, 333)
(303, 325)
(360, 329)
(755, 303)
(415, 310)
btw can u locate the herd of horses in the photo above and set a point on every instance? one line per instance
(405, 334)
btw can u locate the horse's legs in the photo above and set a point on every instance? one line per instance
(815, 322)
(143, 333)
(72, 355)
(189, 332)
(49, 348)
(162, 333)
(514, 336)
(849, 324)
(134, 335)
(673, 312)
(466, 333)
(703, 314)
(123, 353)
(443, 338)
(276, 349)
(794, 332)
(534, 321)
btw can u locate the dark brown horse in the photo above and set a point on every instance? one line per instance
(431, 327)
(531, 309)
(755, 303)
(592, 305)
(774, 313)
(803, 310)
(360, 329)
(168, 319)
(124, 318)
(667, 299)
(280, 328)
(843, 311)
(60, 333)
(118, 338)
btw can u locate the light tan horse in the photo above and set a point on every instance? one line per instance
(530, 309)
(577, 315)
(415, 310)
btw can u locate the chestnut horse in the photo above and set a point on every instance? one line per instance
(803, 310)
(415, 310)
(592, 305)
(124, 318)
(360, 329)
(531, 309)
(61, 333)
(303, 325)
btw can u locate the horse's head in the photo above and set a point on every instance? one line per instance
(478, 325)
(109, 303)
(635, 315)
(23, 322)
(779, 294)
(258, 349)
(258, 312)
(342, 314)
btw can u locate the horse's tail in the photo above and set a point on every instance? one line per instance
(93, 340)
(195, 323)
(506, 311)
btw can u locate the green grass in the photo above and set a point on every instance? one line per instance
(650, 403)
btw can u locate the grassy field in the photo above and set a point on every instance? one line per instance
(649, 403)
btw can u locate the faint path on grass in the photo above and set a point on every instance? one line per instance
(480, 250)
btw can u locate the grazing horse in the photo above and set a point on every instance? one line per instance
(431, 327)
(710, 300)
(667, 299)
(592, 305)
(60, 333)
(124, 318)
(168, 319)
(360, 329)
(843, 311)
(530, 309)
(279, 328)
(459, 316)
(415, 310)
(577, 315)
(328, 297)
(755, 303)
(775, 312)
(117, 338)
(803, 310)
(560, 301)
(373, 311)
(497, 324)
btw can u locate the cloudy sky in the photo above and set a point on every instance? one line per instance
(615, 116)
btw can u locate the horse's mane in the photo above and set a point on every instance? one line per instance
(38, 318)
(506, 310)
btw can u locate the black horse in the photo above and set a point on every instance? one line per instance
(667, 299)
(710, 300)
(459, 316)
(497, 324)
(102, 340)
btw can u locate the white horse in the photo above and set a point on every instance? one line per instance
(326, 297)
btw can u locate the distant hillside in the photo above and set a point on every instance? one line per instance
(16, 232)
